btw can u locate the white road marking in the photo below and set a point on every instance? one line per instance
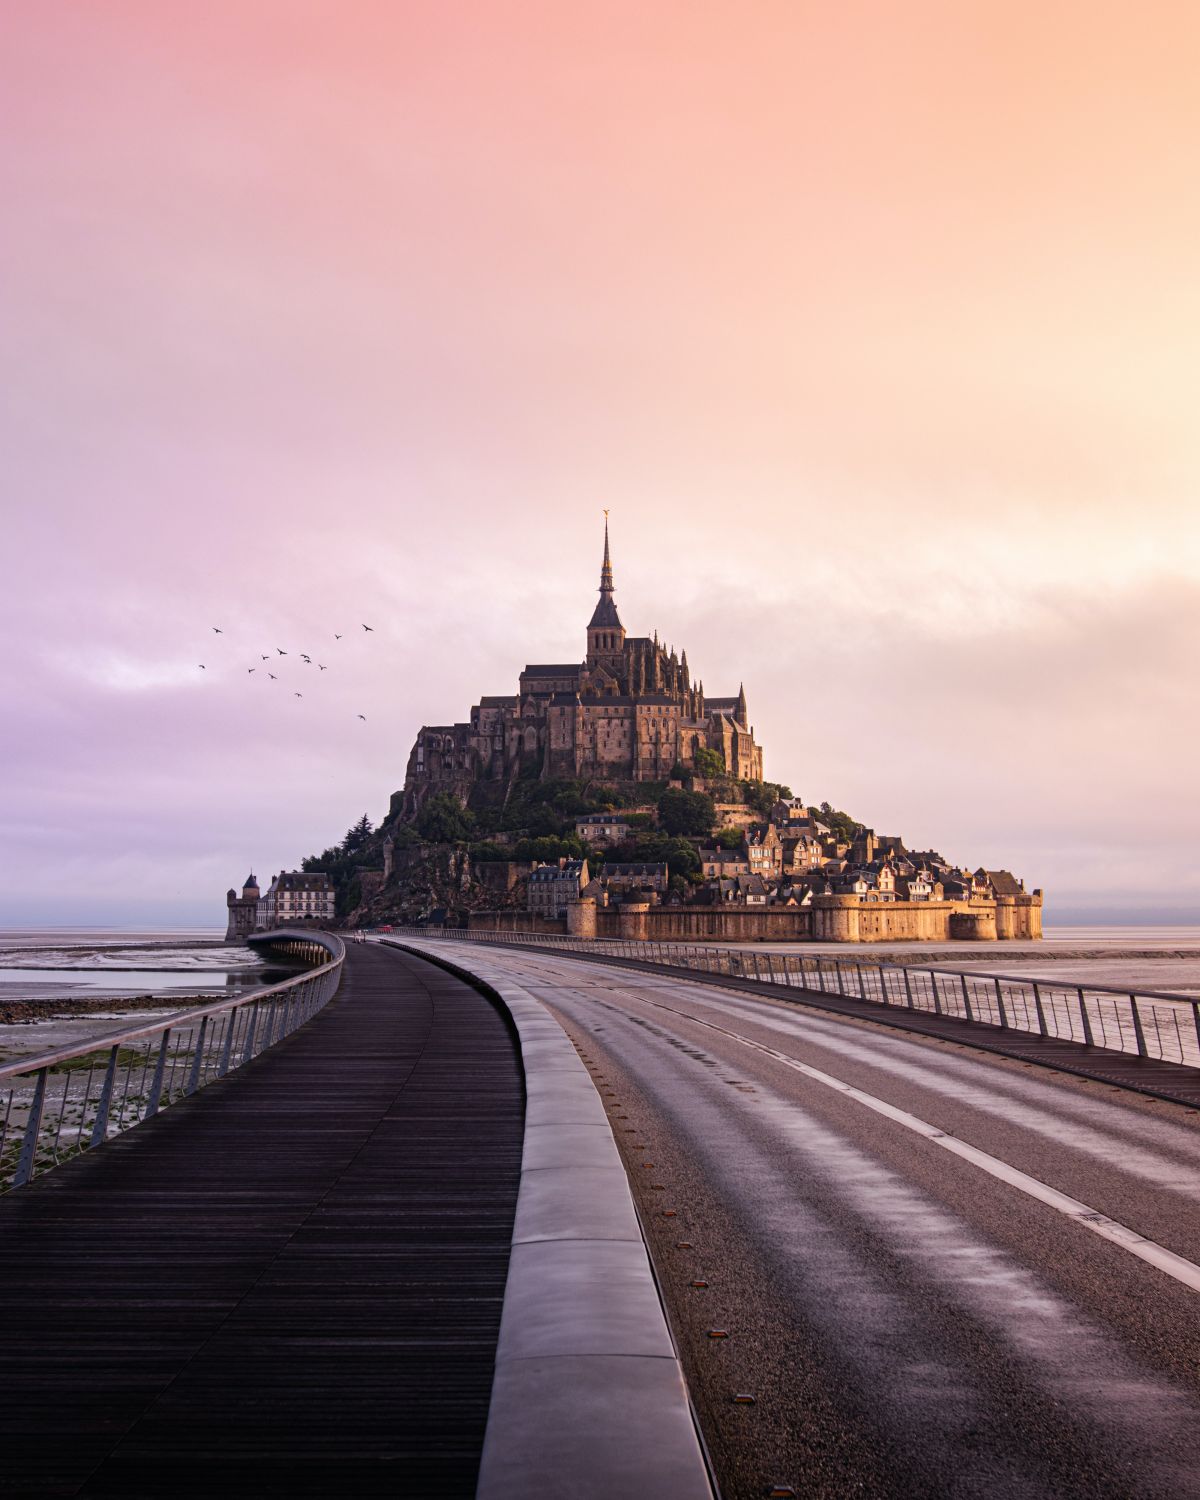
(1176, 1266)
(1154, 1254)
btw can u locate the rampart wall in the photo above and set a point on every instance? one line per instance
(830, 919)
(514, 921)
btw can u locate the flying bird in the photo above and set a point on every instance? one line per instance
(251, 669)
(217, 630)
(281, 651)
(369, 627)
(323, 669)
(363, 717)
(272, 676)
(203, 668)
(307, 659)
(266, 658)
(336, 636)
(297, 695)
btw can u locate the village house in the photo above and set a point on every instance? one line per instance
(723, 864)
(297, 896)
(753, 890)
(602, 828)
(552, 887)
(764, 852)
(635, 877)
(801, 850)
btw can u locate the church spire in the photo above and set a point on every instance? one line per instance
(606, 576)
(605, 618)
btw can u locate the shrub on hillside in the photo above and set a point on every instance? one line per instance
(686, 814)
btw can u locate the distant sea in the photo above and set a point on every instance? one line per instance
(77, 937)
(1130, 935)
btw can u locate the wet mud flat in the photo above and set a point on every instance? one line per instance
(29, 1028)
(25, 1012)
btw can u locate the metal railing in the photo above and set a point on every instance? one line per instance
(65, 1102)
(1147, 1023)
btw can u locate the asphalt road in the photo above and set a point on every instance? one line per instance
(905, 1311)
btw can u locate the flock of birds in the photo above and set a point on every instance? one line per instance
(303, 656)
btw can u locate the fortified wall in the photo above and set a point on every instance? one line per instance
(830, 919)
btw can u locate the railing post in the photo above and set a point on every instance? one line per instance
(1196, 1019)
(937, 994)
(160, 1073)
(1137, 1027)
(966, 994)
(100, 1126)
(1037, 1003)
(33, 1128)
(1000, 1007)
(1083, 1016)
(197, 1057)
(908, 995)
(252, 1027)
(227, 1049)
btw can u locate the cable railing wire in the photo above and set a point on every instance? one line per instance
(1147, 1023)
(65, 1102)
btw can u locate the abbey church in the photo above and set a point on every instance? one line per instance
(630, 711)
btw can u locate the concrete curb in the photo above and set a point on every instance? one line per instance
(588, 1397)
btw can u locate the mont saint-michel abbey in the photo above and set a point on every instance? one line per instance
(630, 711)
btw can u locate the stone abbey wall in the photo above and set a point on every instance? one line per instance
(629, 711)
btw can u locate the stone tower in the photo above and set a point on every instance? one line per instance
(243, 910)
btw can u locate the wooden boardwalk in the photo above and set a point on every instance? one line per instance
(289, 1284)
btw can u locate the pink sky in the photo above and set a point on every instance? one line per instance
(875, 326)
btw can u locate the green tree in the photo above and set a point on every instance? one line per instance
(549, 849)
(839, 823)
(487, 852)
(444, 820)
(728, 838)
(708, 762)
(686, 813)
(680, 855)
(763, 795)
(358, 836)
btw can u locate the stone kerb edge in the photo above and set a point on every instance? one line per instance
(588, 1394)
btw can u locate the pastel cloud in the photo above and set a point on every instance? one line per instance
(875, 327)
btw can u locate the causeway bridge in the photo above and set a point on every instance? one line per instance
(446, 1217)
